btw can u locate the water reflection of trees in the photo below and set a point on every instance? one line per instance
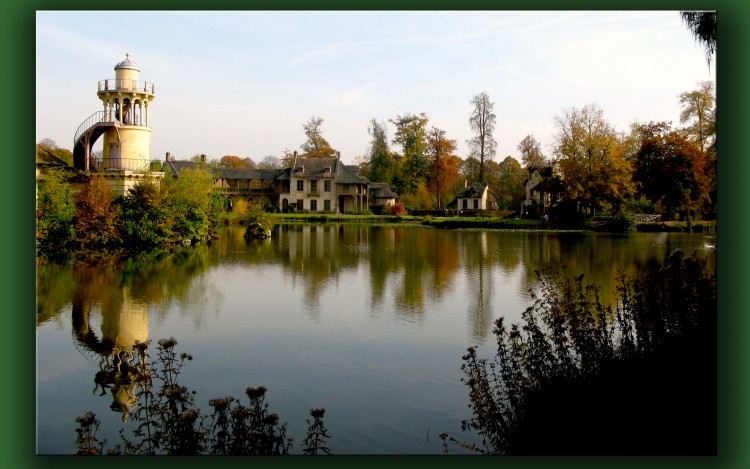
(412, 266)
(601, 257)
(109, 305)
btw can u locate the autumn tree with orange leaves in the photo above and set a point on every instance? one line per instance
(443, 164)
(670, 169)
(97, 220)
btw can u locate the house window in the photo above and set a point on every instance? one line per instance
(300, 185)
(327, 204)
(300, 204)
(465, 202)
(327, 186)
(313, 205)
(476, 203)
(313, 186)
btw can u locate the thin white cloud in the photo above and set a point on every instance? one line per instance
(249, 80)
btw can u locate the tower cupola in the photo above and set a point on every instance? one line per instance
(124, 125)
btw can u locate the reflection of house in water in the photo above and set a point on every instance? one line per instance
(123, 326)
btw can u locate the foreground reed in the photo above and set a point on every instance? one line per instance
(579, 378)
(169, 423)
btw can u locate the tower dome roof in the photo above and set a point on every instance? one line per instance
(128, 63)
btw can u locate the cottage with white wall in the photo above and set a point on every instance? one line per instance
(475, 196)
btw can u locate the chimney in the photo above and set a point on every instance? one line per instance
(168, 156)
(203, 158)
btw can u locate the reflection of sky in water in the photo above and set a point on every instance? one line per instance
(369, 323)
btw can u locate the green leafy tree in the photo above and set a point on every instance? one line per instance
(316, 146)
(146, 219)
(55, 213)
(469, 169)
(595, 172)
(189, 200)
(510, 189)
(383, 164)
(669, 169)
(411, 136)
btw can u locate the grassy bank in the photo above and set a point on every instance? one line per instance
(485, 223)
(343, 217)
(492, 223)
(701, 226)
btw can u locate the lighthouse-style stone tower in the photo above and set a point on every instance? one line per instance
(124, 125)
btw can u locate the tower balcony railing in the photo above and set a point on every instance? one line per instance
(128, 164)
(126, 85)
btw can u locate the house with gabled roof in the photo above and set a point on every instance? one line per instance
(475, 197)
(310, 184)
(322, 185)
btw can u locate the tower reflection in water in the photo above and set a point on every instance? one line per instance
(119, 348)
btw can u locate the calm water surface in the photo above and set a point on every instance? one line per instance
(369, 322)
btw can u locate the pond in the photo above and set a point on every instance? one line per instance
(369, 322)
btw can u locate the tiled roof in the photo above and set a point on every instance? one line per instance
(315, 168)
(473, 190)
(308, 168)
(251, 174)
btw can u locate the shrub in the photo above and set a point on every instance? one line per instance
(637, 379)
(395, 209)
(169, 423)
(97, 219)
(55, 213)
(623, 222)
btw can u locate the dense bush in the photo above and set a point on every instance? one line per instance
(622, 222)
(151, 214)
(579, 378)
(55, 212)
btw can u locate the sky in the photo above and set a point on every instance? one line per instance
(245, 82)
